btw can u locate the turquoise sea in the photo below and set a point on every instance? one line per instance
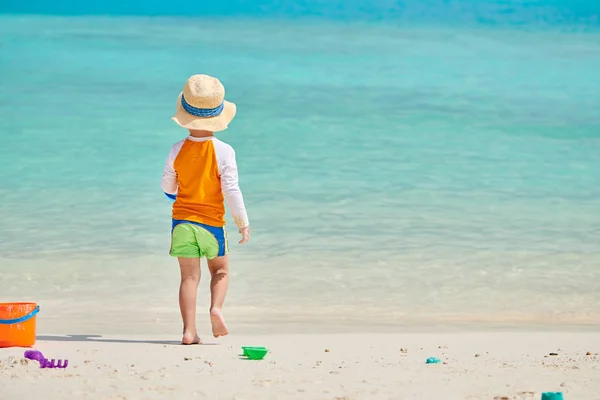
(395, 174)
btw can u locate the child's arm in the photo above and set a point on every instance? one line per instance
(233, 194)
(169, 177)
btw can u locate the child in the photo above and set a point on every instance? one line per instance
(200, 174)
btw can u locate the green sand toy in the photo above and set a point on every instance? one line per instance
(552, 396)
(255, 353)
(244, 348)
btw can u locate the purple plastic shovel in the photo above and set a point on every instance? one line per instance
(44, 362)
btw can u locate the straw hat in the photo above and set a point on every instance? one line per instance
(202, 106)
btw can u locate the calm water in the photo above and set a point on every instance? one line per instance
(392, 174)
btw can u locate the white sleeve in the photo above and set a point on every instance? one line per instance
(231, 189)
(169, 177)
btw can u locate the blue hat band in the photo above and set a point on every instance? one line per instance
(201, 112)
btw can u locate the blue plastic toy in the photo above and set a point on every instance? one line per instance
(552, 396)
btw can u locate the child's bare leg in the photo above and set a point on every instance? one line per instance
(219, 272)
(190, 278)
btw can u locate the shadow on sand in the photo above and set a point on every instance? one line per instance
(100, 339)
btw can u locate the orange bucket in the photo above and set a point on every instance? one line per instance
(17, 324)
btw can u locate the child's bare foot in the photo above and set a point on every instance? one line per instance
(218, 323)
(190, 338)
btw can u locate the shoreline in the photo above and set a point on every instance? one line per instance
(240, 323)
(316, 366)
(110, 296)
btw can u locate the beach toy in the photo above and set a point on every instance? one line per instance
(255, 353)
(245, 348)
(552, 396)
(17, 324)
(36, 355)
(433, 360)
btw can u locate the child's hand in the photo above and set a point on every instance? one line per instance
(245, 232)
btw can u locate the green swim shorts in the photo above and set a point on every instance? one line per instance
(194, 240)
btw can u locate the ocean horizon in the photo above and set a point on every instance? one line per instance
(524, 13)
(397, 174)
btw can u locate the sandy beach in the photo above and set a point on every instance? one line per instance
(495, 365)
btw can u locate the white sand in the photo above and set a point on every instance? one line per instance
(366, 366)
